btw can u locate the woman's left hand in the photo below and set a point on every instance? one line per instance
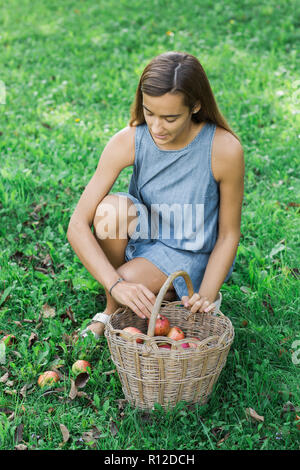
(198, 303)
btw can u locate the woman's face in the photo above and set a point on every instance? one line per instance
(168, 119)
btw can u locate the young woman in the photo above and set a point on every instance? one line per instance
(183, 208)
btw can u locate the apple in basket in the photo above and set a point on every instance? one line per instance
(162, 326)
(132, 330)
(175, 333)
(193, 345)
(164, 346)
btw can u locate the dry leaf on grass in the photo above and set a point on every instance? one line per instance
(113, 428)
(73, 390)
(223, 439)
(32, 339)
(47, 311)
(252, 413)
(65, 433)
(80, 382)
(4, 378)
(19, 433)
(21, 447)
(68, 314)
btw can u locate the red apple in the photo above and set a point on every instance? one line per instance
(80, 366)
(47, 378)
(194, 345)
(185, 345)
(175, 333)
(132, 330)
(162, 326)
(8, 340)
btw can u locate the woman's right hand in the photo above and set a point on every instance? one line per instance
(135, 296)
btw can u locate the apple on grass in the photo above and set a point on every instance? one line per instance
(8, 340)
(132, 330)
(47, 378)
(80, 366)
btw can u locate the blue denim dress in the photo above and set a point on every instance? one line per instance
(177, 200)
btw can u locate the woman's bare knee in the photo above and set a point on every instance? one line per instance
(115, 218)
(141, 270)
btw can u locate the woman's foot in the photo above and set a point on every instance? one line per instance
(97, 325)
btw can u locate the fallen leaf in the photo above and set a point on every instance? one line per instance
(252, 413)
(26, 387)
(223, 439)
(268, 307)
(73, 390)
(46, 125)
(7, 412)
(69, 314)
(245, 289)
(11, 417)
(295, 272)
(32, 339)
(5, 295)
(47, 311)
(108, 372)
(65, 433)
(19, 433)
(88, 437)
(91, 436)
(287, 407)
(113, 428)
(4, 378)
(21, 447)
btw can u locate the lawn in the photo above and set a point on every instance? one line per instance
(68, 74)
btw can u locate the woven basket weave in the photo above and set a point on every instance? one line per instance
(150, 374)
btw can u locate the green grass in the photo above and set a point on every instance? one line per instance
(70, 71)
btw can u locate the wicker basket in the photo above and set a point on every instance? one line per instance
(150, 374)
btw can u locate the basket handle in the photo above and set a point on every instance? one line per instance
(162, 294)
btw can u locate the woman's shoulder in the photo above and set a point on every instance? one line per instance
(124, 142)
(226, 154)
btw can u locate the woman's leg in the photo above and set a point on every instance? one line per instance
(136, 270)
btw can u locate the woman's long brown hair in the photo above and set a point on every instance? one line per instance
(173, 72)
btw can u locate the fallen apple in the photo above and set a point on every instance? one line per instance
(47, 378)
(162, 326)
(132, 330)
(80, 366)
(8, 340)
(175, 333)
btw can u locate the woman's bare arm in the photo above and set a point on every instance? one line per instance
(117, 154)
(230, 166)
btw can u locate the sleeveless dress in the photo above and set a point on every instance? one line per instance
(177, 199)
